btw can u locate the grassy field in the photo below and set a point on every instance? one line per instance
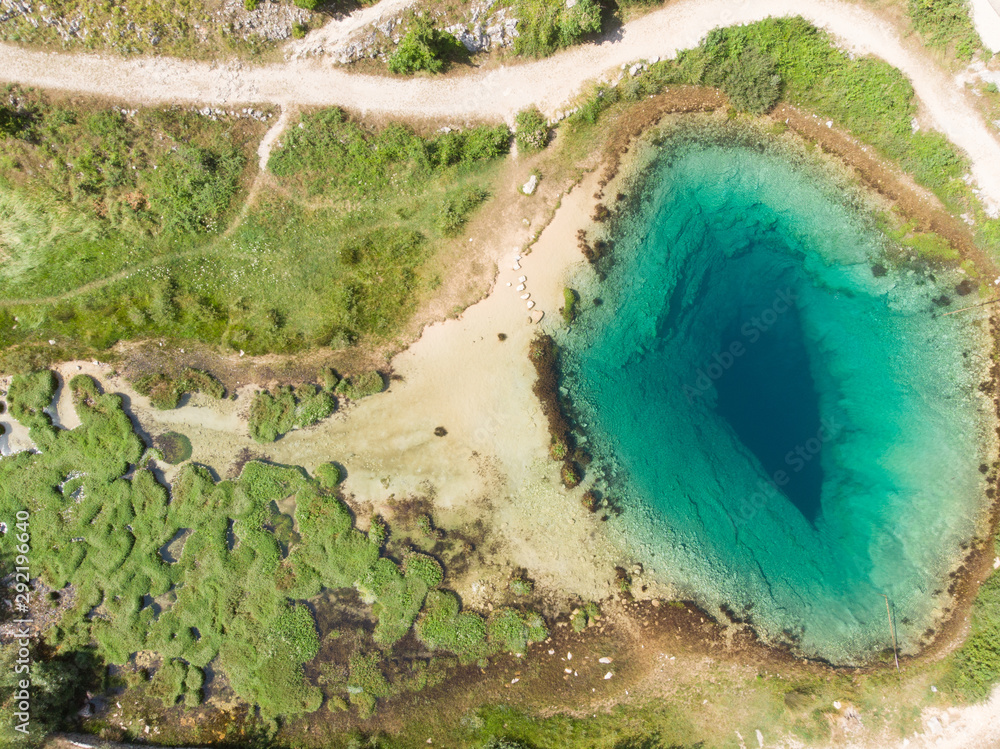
(114, 226)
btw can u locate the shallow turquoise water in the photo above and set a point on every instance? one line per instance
(792, 434)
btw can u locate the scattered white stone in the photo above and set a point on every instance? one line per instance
(530, 305)
(530, 185)
(760, 739)
(568, 670)
(526, 295)
(933, 688)
(569, 656)
(996, 563)
(51, 342)
(829, 123)
(520, 286)
(522, 279)
(605, 659)
(241, 352)
(552, 652)
(516, 266)
(836, 704)
(514, 681)
(608, 675)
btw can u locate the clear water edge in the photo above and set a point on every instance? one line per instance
(813, 583)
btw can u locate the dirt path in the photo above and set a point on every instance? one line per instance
(498, 94)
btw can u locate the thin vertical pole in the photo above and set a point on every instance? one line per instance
(892, 631)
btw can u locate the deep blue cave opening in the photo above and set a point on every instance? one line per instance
(768, 397)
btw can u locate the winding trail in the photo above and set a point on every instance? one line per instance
(499, 94)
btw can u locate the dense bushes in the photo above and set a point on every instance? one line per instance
(975, 668)
(192, 187)
(548, 25)
(272, 415)
(425, 48)
(160, 170)
(340, 157)
(944, 24)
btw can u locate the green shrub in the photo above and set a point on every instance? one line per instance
(330, 379)
(531, 130)
(308, 4)
(176, 448)
(512, 631)
(425, 48)
(250, 4)
(361, 386)
(548, 25)
(752, 83)
(299, 30)
(443, 627)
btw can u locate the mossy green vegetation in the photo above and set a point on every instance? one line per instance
(570, 300)
(274, 414)
(329, 475)
(233, 596)
(175, 447)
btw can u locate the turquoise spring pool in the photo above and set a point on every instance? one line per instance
(792, 427)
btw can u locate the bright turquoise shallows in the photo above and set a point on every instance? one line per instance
(794, 430)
